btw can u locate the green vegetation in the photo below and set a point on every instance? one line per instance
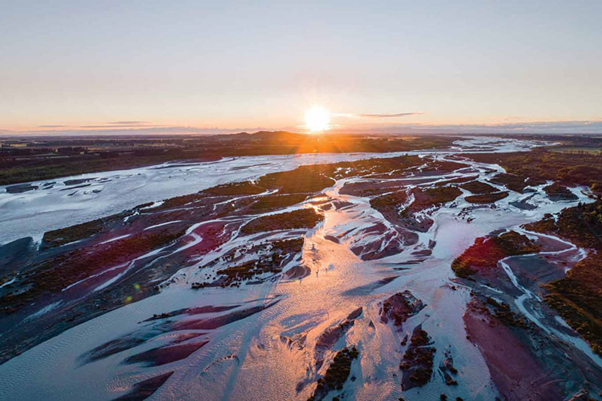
(294, 186)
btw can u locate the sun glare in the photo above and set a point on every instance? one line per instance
(317, 119)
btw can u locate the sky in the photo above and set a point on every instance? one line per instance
(224, 66)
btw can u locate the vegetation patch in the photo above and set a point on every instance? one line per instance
(485, 253)
(392, 166)
(428, 197)
(235, 188)
(486, 198)
(391, 205)
(417, 362)
(93, 155)
(302, 179)
(582, 225)
(272, 258)
(423, 199)
(331, 335)
(447, 369)
(303, 218)
(504, 313)
(336, 375)
(540, 166)
(390, 201)
(458, 180)
(271, 202)
(577, 297)
(559, 192)
(443, 165)
(478, 187)
(77, 232)
(180, 201)
(63, 236)
(516, 183)
(59, 272)
(578, 300)
(399, 307)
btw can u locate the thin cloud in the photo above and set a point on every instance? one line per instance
(532, 127)
(389, 115)
(128, 122)
(124, 130)
(376, 115)
(375, 126)
(119, 126)
(109, 124)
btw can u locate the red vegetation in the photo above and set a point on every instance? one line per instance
(59, 272)
(487, 198)
(485, 253)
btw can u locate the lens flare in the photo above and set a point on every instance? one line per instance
(317, 119)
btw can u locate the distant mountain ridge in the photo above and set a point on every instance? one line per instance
(267, 135)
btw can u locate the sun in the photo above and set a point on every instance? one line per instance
(317, 119)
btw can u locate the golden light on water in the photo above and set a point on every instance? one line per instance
(317, 119)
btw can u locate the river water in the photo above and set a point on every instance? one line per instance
(250, 359)
(67, 201)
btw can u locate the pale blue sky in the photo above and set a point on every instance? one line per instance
(249, 64)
